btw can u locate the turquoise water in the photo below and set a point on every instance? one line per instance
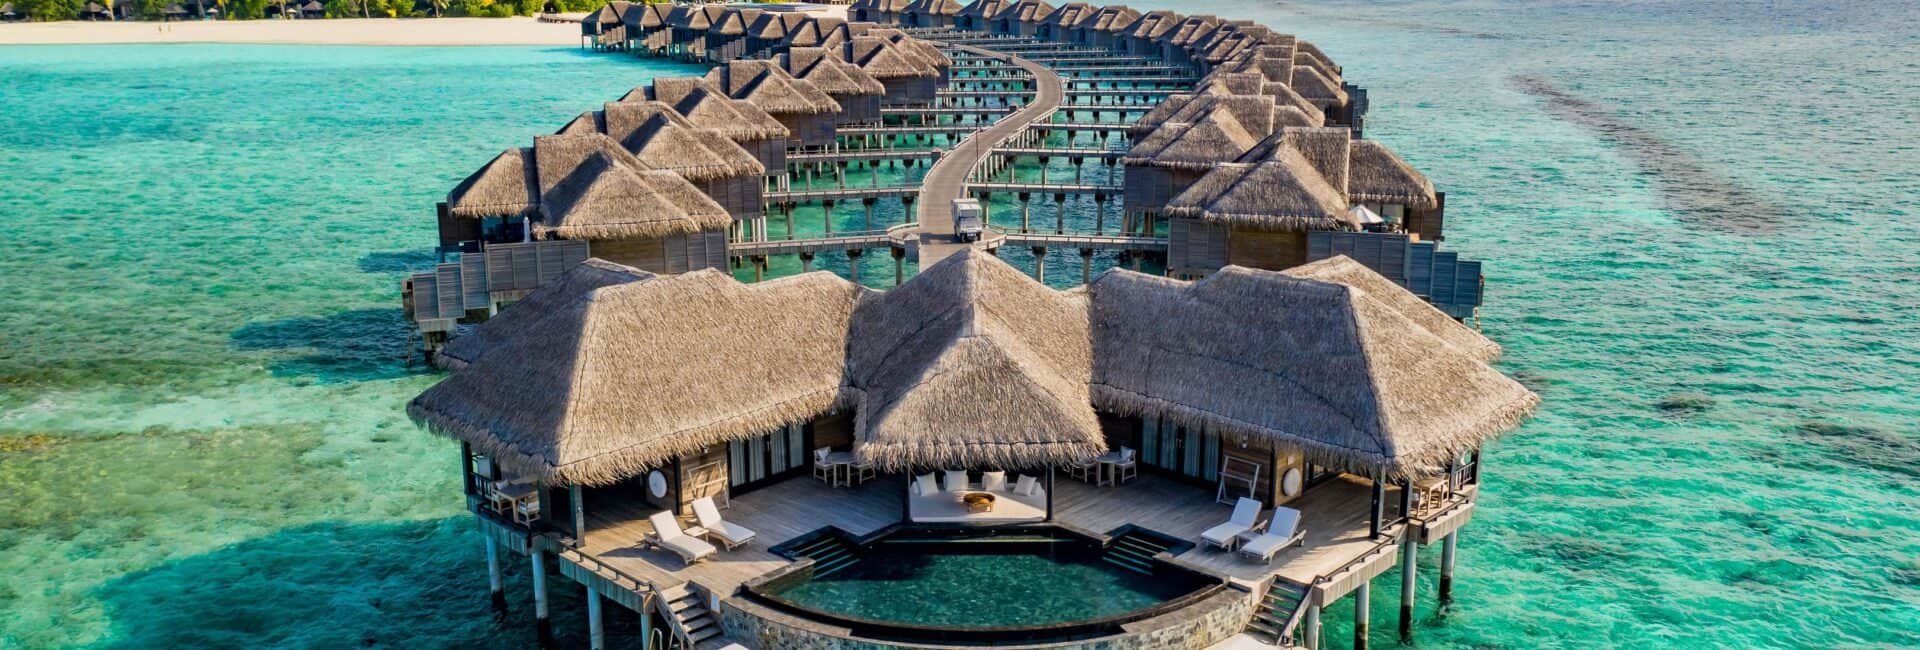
(1704, 253)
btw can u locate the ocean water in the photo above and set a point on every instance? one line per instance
(1699, 219)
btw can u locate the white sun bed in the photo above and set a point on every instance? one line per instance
(1283, 531)
(730, 533)
(1246, 513)
(667, 535)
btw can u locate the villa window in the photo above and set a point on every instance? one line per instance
(1179, 450)
(758, 461)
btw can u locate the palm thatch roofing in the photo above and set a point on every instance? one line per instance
(892, 6)
(1344, 270)
(830, 73)
(631, 376)
(661, 138)
(1027, 11)
(775, 25)
(884, 60)
(734, 22)
(1283, 193)
(591, 188)
(1204, 131)
(6, 9)
(1154, 24)
(1317, 88)
(973, 364)
(651, 16)
(985, 9)
(817, 32)
(926, 53)
(1067, 15)
(1322, 367)
(1376, 175)
(697, 18)
(610, 13)
(582, 279)
(1111, 18)
(935, 7)
(706, 107)
(504, 187)
(1316, 58)
(771, 88)
(1191, 29)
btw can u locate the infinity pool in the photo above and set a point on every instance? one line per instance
(1013, 580)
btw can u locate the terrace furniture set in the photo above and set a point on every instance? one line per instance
(688, 543)
(1253, 539)
(841, 468)
(1111, 468)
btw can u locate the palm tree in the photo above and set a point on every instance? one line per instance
(438, 7)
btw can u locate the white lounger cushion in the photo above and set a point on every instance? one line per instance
(923, 484)
(1245, 513)
(956, 480)
(667, 530)
(993, 481)
(709, 517)
(1282, 532)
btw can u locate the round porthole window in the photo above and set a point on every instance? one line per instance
(657, 484)
(1290, 482)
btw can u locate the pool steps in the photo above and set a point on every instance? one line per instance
(1134, 552)
(830, 553)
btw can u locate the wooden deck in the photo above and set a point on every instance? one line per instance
(1334, 516)
(775, 514)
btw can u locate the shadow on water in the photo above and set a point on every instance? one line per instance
(1694, 193)
(398, 261)
(411, 584)
(1885, 451)
(357, 345)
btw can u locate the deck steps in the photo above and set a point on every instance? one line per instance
(830, 553)
(1134, 552)
(688, 616)
(1278, 613)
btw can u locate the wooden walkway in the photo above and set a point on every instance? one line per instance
(947, 179)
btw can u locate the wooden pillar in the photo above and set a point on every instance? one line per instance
(1362, 600)
(1409, 557)
(543, 629)
(868, 204)
(1086, 265)
(1026, 208)
(899, 265)
(646, 621)
(806, 261)
(1378, 511)
(1447, 548)
(1049, 487)
(1310, 625)
(1040, 264)
(596, 628)
(578, 507)
(853, 265)
(1099, 213)
(499, 594)
(1060, 214)
(759, 267)
(826, 217)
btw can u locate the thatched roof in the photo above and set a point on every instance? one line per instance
(706, 107)
(609, 14)
(816, 32)
(985, 9)
(1343, 270)
(1317, 88)
(629, 377)
(663, 139)
(830, 73)
(935, 7)
(929, 56)
(1280, 194)
(771, 88)
(1111, 18)
(592, 188)
(523, 314)
(1154, 24)
(650, 16)
(1067, 15)
(884, 60)
(1027, 11)
(1306, 53)
(973, 364)
(734, 22)
(1192, 28)
(775, 25)
(1205, 131)
(1324, 368)
(698, 18)
(1377, 175)
(504, 187)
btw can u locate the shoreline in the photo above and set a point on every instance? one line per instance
(456, 31)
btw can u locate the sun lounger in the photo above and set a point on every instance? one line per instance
(1246, 512)
(667, 535)
(730, 533)
(1282, 532)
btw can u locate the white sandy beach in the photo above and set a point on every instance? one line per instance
(345, 31)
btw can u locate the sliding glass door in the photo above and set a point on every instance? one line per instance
(754, 462)
(1179, 451)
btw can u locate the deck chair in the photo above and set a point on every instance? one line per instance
(1246, 513)
(667, 535)
(730, 534)
(1282, 532)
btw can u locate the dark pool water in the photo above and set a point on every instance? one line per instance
(995, 582)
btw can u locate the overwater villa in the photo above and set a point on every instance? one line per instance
(1263, 394)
